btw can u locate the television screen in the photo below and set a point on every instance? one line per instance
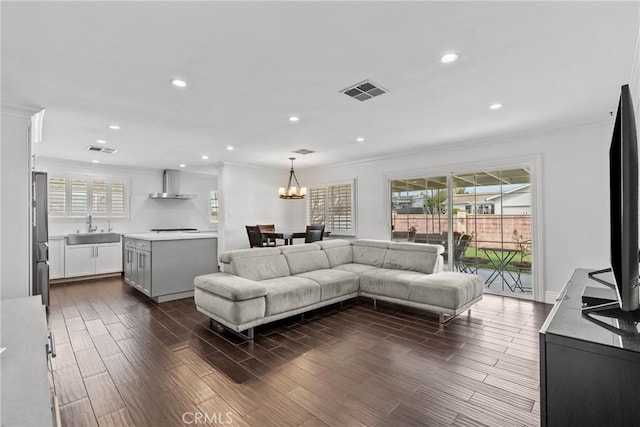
(623, 184)
(623, 164)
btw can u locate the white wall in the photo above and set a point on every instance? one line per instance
(574, 191)
(249, 196)
(145, 213)
(15, 270)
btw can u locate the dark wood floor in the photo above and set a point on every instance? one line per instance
(123, 360)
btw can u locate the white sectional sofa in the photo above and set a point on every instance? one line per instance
(261, 285)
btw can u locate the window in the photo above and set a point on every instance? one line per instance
(213, 206)
(77, 196)
(492, 208)
(333, 206)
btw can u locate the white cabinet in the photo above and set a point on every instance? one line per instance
(108, 258)
(56, 257)
(78, 260)
(86, 260)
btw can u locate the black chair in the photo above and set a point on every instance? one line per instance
(255, 237)
(267, 228)
(314, 233)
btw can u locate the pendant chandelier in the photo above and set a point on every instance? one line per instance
(292, 191)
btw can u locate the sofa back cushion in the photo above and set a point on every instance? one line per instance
(338, 251)
(369, 252)
(303, 258)
(419, 257)
(255, 264)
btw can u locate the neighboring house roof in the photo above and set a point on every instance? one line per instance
(514, 190)
(459, 199)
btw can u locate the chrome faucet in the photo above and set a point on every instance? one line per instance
(91, 229)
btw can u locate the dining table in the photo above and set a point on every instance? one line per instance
(500, 259)
(287, 236)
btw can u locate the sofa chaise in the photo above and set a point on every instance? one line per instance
(258, 286)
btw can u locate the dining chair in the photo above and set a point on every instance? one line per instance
(267, 228)
(255, 237)
(314, 233)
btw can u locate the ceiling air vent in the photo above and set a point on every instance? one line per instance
(364, 90)
(102, 149)
(304, 151)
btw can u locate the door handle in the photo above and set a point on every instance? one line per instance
(51, 345)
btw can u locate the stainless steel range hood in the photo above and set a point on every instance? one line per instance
(171, 187)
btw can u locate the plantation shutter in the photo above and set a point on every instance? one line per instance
(118, 197)
(79, 196)
(339, 209)
(99, 197)
(57, 196)
(332, 206)
(316, 203)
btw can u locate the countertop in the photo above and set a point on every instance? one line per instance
(173, 235)
(26, 400)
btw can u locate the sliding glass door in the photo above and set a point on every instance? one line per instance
(482, 218)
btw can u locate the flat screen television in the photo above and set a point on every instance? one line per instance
(623, 182)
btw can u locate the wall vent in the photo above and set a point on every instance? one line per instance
(364, 90)
(304, 151)
(102, 149)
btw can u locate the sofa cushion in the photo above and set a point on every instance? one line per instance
(229, 286)
(290, 293)
(333, 283)
(370, 252)
(338, 251)
(303, 258)
(260, 268)
(446, 289)
(419, 257)
(357, 269)
(389, 283)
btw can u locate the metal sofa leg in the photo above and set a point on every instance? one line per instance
(249, 335)
(374, 303)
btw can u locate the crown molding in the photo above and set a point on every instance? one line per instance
(457, 145)
(19, 111)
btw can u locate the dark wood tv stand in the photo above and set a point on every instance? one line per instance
(589, 374)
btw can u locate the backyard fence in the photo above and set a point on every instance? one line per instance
(486, 228)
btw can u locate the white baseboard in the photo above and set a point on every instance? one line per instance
(551, 297)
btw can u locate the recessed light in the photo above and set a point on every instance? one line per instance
(178, 83)
(182, 165)
(95, 161)
(114, 127)
(360, 139)
(495, 106)
(101, 141)
(229, 147)
(449, 57)
(205, 157)
(294, 118)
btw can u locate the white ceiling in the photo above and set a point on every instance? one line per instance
(250, 65)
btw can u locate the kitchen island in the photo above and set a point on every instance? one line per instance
(163, 265)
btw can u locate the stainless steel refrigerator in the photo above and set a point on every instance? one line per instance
(40, 237)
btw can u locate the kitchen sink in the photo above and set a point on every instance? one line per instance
(90, 238)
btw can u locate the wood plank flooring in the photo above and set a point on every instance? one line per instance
(124, 360)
